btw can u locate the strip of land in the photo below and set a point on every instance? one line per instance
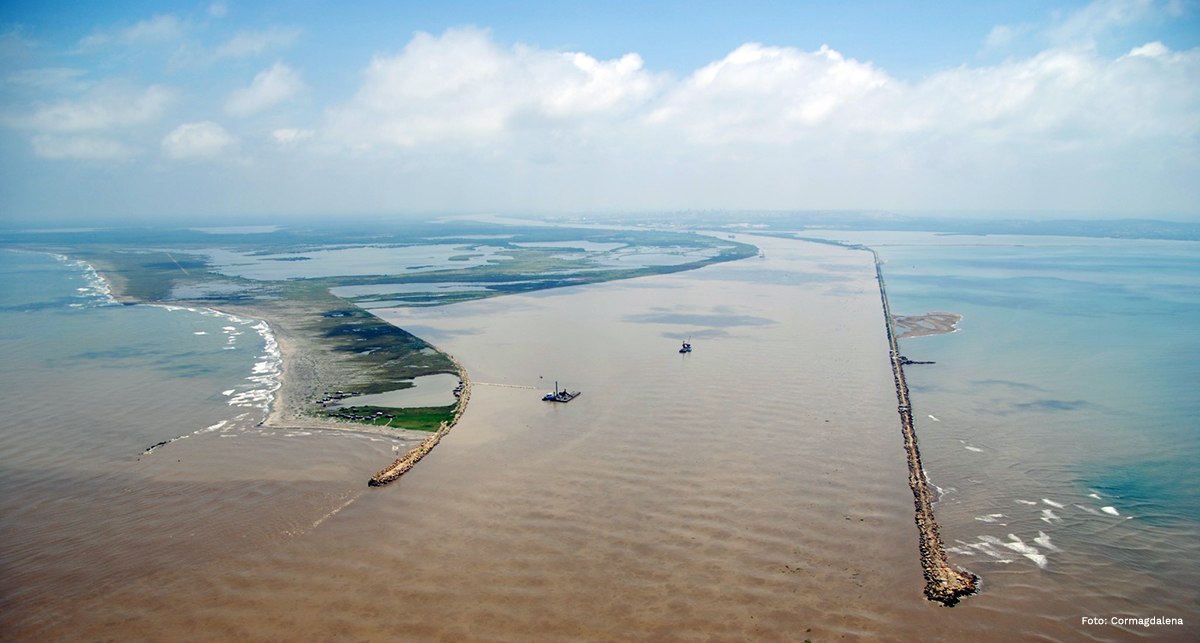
(943, 583)
(332, 349)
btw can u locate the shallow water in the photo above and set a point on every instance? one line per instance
(754, 489)
(428, 390)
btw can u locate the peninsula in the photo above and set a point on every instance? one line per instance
(312, 287)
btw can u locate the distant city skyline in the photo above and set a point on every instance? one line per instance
(166, 111)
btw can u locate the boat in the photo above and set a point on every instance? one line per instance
(687, 346)
(563, 396)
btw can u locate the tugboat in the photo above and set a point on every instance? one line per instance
(687, 346)
(560, 396)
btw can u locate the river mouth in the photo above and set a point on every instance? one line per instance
(754, 489)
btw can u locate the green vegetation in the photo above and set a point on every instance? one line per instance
(427, 418)
(146, 275)
(392, 356)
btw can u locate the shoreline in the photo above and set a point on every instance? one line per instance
(283, 411)
(299, 366)
(943, 583)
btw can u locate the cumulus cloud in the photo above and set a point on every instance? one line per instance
(462, 87)
(80, 147)
(218, 9)
(781, 121)
(771, 95)
(269, 88)
(203, 140)
(158, 29)
(107, 106)
(253, 43)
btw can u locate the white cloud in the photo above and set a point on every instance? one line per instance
(253, 43)
(203, 140)
(1102, 16)
(269, 88)
(106, 106)
(80, 147)
(49, 79)
(14, 46)
(290, 135)
(782, 127)
(462, 87)
(218, 9)
(1083, 26)
(771, 95)
(158, 29)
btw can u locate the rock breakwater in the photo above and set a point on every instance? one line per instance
(401, 466)
(943, 583)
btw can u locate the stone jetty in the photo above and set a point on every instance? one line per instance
(943, 584)
(410, 459)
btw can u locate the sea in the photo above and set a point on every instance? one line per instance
(754, 489)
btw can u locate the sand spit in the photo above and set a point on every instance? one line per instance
(943, 583)
(410, 459)
(928, 324)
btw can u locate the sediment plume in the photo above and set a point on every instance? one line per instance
(410, 459)
(943, 583)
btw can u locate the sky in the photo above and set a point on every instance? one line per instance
(166, 111)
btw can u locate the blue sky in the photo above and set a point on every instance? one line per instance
(157, 111)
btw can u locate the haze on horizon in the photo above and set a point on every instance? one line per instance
(176, 110)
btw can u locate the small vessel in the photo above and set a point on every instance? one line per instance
(560, 396)
(687, 346)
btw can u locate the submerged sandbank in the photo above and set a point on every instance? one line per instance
(936, 323)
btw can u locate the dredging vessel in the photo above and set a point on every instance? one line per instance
(560, 396)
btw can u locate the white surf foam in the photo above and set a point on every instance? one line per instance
(1110, 510)
(1016, 544)
(989, 517)
(1056, 505)
(1043, 540)
(1049, 517)
(98, 292)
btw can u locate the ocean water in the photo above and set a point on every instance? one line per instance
(754, 489)
(89, 503)
(1063, 419)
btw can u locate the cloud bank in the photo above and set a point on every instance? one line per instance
(462, 121)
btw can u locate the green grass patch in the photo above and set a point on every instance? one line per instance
(415, 419)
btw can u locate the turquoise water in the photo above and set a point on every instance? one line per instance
(1098, 340)
(1062, 420)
